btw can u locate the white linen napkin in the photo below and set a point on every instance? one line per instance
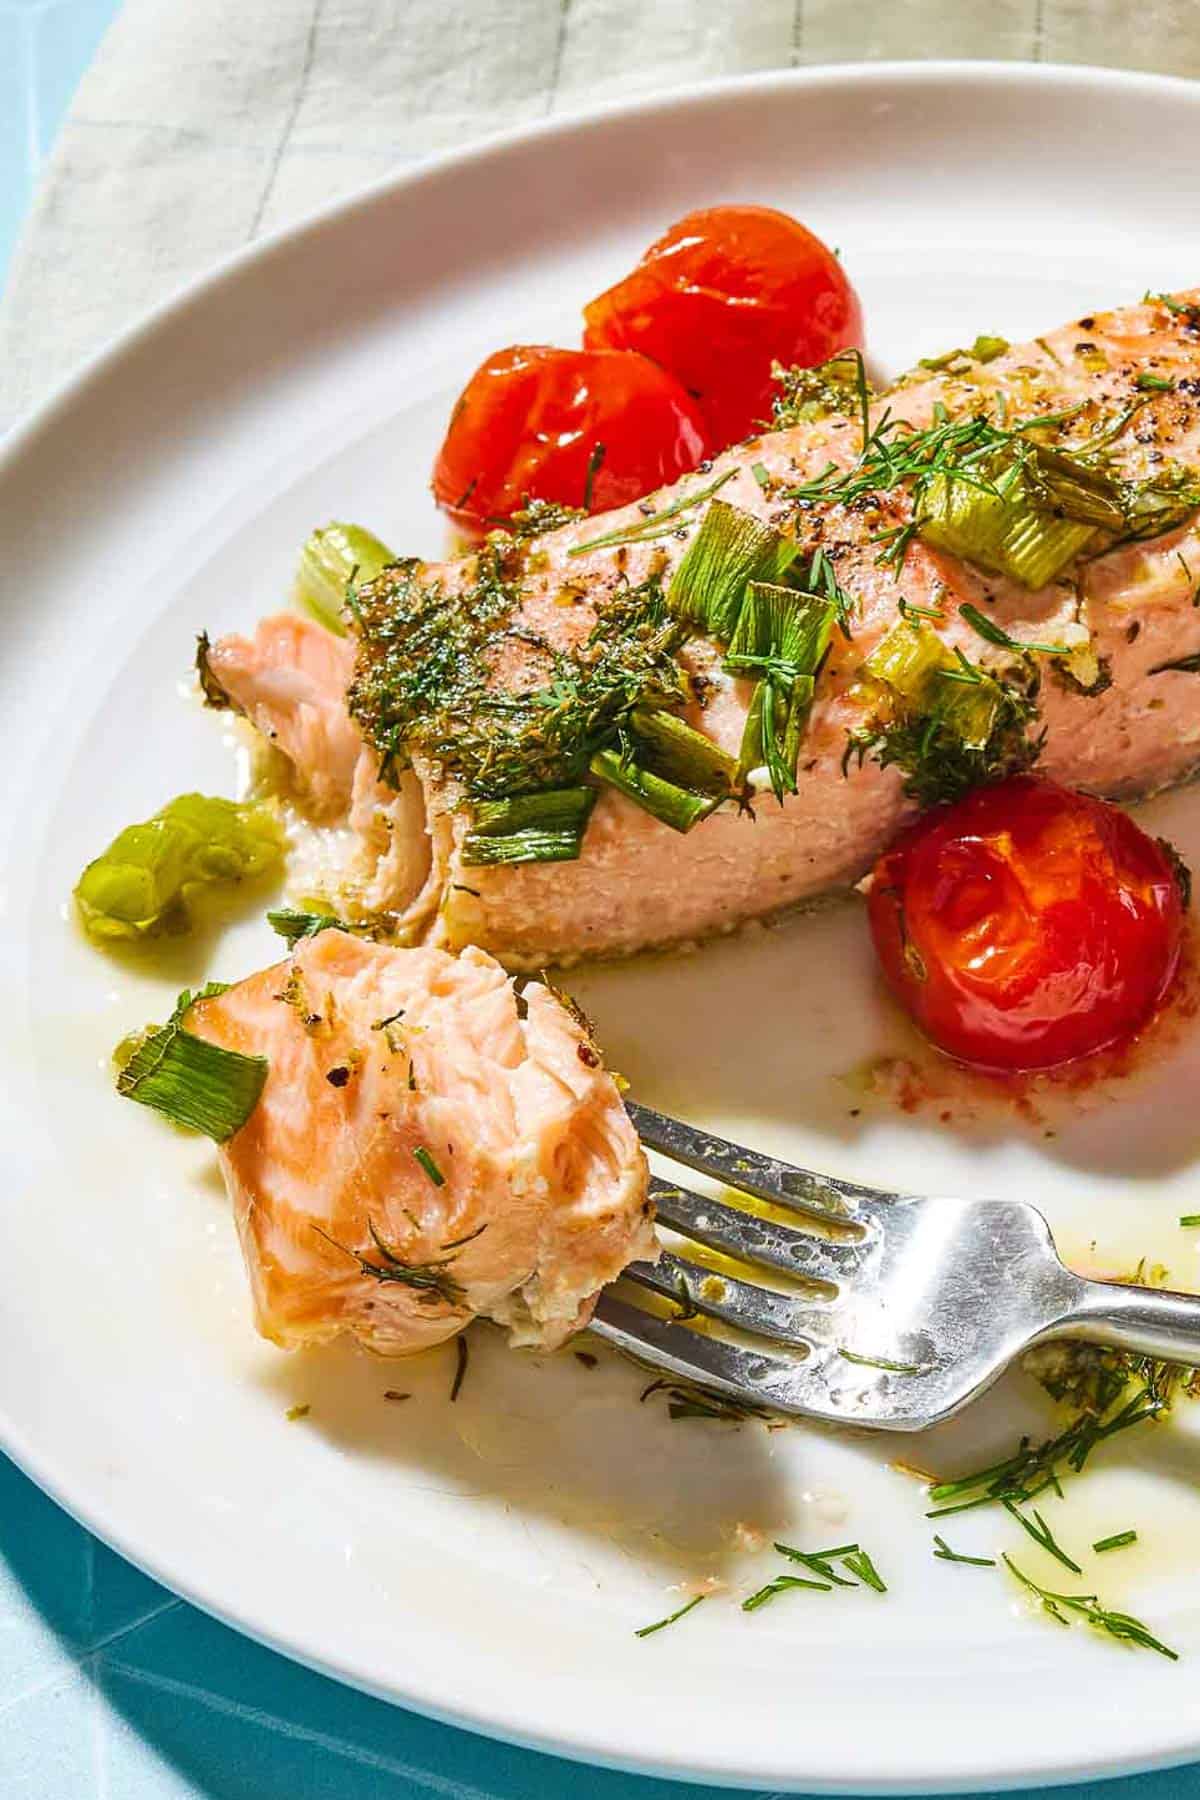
(205, 122)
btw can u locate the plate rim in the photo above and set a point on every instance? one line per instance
(73, 390)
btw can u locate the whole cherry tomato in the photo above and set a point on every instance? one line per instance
(1027, 925)
(590, 428)
(724, 294)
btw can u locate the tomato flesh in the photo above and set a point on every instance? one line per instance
(530, 424)
(1027, 925)
(721, 296)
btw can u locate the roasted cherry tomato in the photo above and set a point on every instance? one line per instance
(1027, 925)
(591, 428)
(724, 294)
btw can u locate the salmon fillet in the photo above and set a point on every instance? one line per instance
(637, 883)
(429, 1147)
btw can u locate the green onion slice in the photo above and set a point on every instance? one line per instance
(539, 827)
(190, 1081)
(140, 884)
(333, 557)
(670, 747)
(676, 806)
(731, 549)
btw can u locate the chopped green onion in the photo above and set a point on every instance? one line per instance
(759, 472)
(945, 1554)
(333, 557)
(547, 826)
(998, 515)
(1189, 1220)
(731, 549)
(1184, 665)
(425, 1158)
(140, 885)
(191, 1081)
(1118, 1541)
(670, 747)
(654, 524)
(661, 1624)
(1153, 384)
(784, 635)
(985, 349)
(676, 806)
(294, 925)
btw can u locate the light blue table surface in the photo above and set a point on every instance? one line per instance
(110, 1689)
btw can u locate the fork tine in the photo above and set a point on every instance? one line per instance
(740, 1303)
(784, 1384)
(756, 1239)
(803, 1190)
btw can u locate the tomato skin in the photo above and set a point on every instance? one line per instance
(721, 296)
(527, 423)
(1026, 925)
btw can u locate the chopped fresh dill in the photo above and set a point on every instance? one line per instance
(944, 1553)
(537, 517)
(655, 525)
(593, 468)
(995, 634)
(661, 1624)
(461, 1357)
(882, 1362)
(1042, 1535)
(1119, 1625)
(431, 1280)
(853, 1559)
(294, 925)
(428, 1163)
(1117, 1541)
(1112, 1391)
(782, 1584)
(1184, 665)
(685, 1401)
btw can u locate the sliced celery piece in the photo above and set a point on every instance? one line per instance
(539, 827)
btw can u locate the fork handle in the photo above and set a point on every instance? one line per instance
(1148, 1321)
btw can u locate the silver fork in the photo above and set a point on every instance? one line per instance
(896, 1309)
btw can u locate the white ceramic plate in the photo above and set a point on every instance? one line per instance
(488, 1563)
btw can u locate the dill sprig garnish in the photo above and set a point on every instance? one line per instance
(853, 1559)
(686, 1401)
(655, 524)
(661, 1624)
(1042, 1535)
(431, 1280)
(1119, 1625)
(944, 1553)
(1100, 1384)
(423, 682)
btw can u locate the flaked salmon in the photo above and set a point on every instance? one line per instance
(429, 1147)
(1121, 387)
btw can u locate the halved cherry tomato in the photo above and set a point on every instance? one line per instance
(592, 428)
(721, 296)
(1027, 925)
